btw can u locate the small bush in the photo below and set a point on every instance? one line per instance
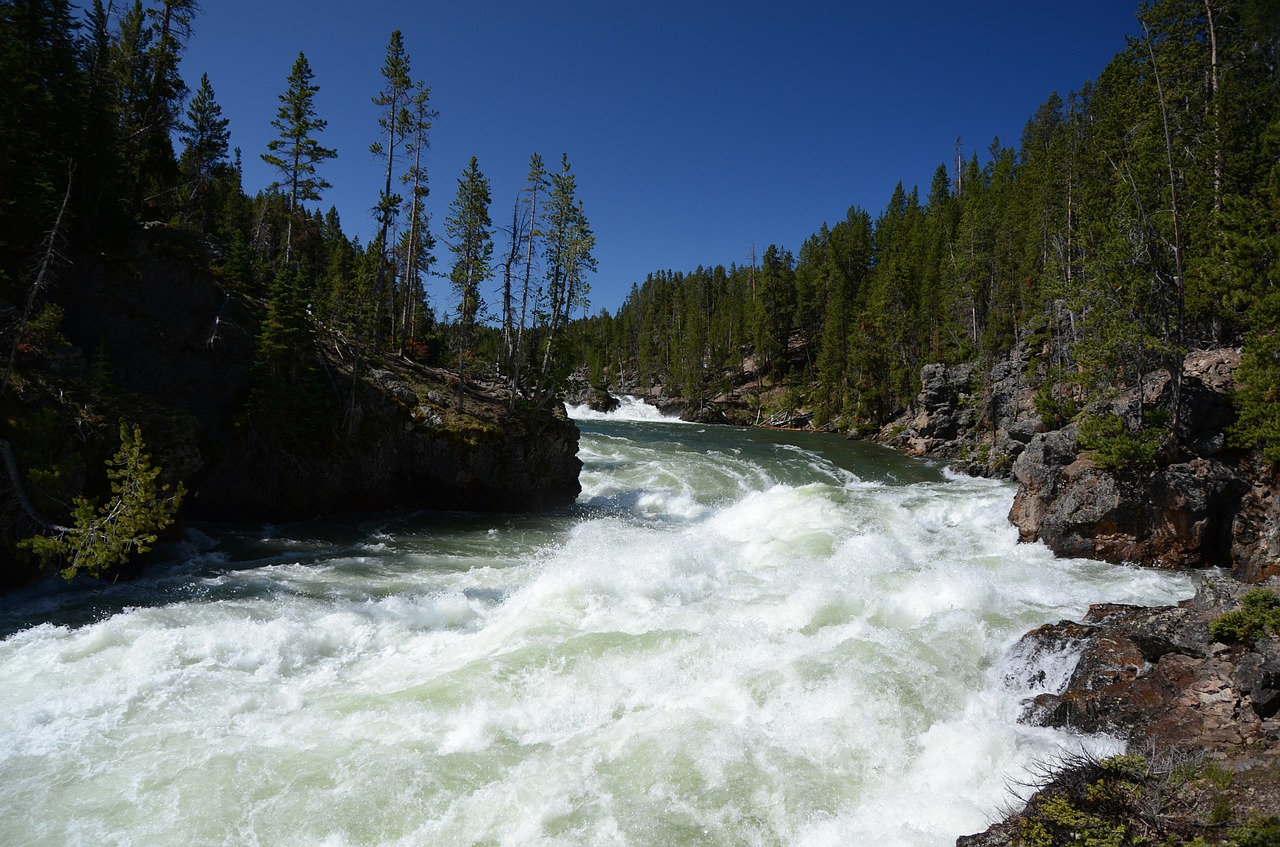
(45, 329)
(1259, 612)
(1262, 832)
(1220, 813)
(1115, 447)
(1054, 409)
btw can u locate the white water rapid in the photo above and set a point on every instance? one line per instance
(736, 638)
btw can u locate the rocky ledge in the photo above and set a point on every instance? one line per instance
(1199, 504)
(1200, 713)
(1195, 691)
(155, 339)
(409, 447)
(1204, 506)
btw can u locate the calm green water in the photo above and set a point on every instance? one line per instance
(735, 638)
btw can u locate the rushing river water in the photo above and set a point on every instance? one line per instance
(735, 638)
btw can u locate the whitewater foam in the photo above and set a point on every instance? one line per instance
(630, 408)
(730, 641)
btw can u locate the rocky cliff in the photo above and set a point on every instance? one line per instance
(1200, 714)
(1199, 704)
(407, 446)
(155, 338)
(1199, 503)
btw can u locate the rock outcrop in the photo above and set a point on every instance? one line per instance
(1156, 677)
(1208, 506)
(413, 449)
(1175, 516)
(1201, 504)
(178, 349)
(976, 422)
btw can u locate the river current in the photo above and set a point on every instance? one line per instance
(736, 637)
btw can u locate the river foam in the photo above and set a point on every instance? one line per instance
(630, 408)
(733, 640)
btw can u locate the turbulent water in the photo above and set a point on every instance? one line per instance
(735, 638)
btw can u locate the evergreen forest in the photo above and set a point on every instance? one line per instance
(1135, 219)
(113, 168)
(99, 135)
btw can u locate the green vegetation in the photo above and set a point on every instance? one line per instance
(1263, 832)
(1133, 221)
(127, 524)
(468, 227)
(1115, 447)
(1166, 800)
(1258, 614)
(90, 112)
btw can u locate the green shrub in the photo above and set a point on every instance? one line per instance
(1262, 832)
(1054, 409)
(1116, 448)
(1259, 611)
(126, 525)
(45, 329)
(1056, 820)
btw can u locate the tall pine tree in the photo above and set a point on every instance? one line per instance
(469, 229)
(296, 152)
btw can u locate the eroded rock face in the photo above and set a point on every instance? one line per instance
(1213, 506)
(1255, 526)
(942, 416)
(1154, 677)
(171, 334)
(419, 458)
(1178, 516)
(979, 425)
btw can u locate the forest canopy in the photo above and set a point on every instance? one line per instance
(1136, 219)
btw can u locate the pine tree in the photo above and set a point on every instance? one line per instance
(126, 525)
(568, 252)
(296, 153)
(776, 295)
(396, 123)
(534, 187)
(205, 139)
(41, 96)
(468, 227)
(287, 387)
(171, 28)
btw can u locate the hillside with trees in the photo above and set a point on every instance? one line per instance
(252, 352)
(1136, 219)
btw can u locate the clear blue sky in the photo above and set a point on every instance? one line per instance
(696, 129)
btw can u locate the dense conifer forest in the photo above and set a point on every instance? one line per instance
(1135, 219)
(101, 134)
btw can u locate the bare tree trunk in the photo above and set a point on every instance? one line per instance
(1175, 366)
(524, 293)
(20, 494)
(1216, 107)
(51, 239)
(508, 308)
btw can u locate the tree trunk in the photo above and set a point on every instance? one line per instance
(46, 262)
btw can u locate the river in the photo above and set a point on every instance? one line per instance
(736, 637)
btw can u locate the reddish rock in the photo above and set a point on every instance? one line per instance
(1154, 677)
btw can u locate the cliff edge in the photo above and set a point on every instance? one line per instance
(152, 337)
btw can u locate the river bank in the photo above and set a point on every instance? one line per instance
(154, 337)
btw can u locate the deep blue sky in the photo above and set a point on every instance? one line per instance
(697, 129)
